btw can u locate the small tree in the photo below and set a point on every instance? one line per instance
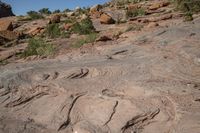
(34, 15)
(44, 11)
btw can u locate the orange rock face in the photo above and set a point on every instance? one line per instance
(106, 19)
(6, 25)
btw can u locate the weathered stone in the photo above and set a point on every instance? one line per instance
(6, 25)
(158, 5)
(9, 35)
(106, 19)
(35, 31)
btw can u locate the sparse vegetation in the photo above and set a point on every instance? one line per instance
(53, 31)
(135, 27)
(34, 15)
(90, 38)
(37, 46)
(57, 11)
(135, 12)
(83, 27)
(44, 11)
(189, 7)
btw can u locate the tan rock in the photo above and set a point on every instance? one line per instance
(133, 6)
(35, 31)
(106, 19)
(152, 25)
(158, 5)
(67, 26)
(9, 35)
(95, 11)
(5, 25)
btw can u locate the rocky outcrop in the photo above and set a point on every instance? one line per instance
(55, 19)
(106, 19)
(5, 10)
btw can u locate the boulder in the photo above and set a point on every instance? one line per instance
(95, 11)
(5, 10)
(6, 24)
(55, 19)
(106, 19)
(9, 35)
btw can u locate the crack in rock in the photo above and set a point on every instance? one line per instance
(112, 114)
(67, 122)
(81, 74)
(24, 100)
(139, 121)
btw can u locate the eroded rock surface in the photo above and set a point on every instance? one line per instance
(149, 83)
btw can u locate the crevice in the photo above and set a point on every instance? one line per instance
(23, 100)
(139, 121)
(120, 52)
(67, 122)
(112, 114)
(81, 74)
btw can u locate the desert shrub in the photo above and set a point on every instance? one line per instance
(90, 38)
(37, 46)
(44, 11)
(125, 2)
(53, 31)
(192, 6)
(66, 10)
(34, 15)
(56, 11)
(135, 12)
(83, 27)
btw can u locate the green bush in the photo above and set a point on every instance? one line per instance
(88, 39)
(34, 15)
(37, 46)
(84, 27)
(192, 6)
(53, 31)
(56, 11)
(45, 11)
(135, 12)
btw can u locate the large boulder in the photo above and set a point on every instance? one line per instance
(106, 19)
(6, 24)
(5, 10)
(95, 11)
